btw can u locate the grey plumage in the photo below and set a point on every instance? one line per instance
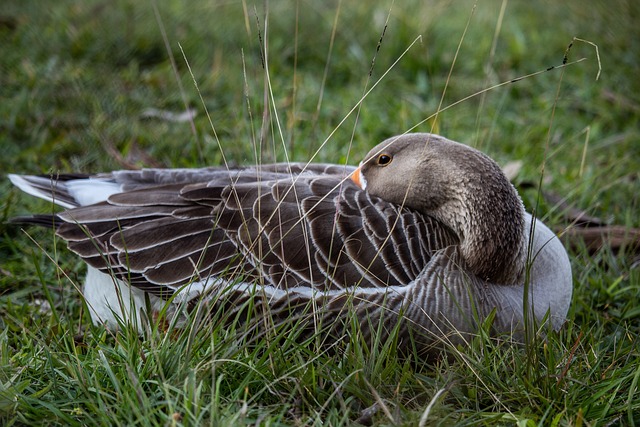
(439, 236)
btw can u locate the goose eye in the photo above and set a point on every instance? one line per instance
(384, 159)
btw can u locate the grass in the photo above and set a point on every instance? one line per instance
(76, 77)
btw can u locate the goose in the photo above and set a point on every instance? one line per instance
(426, 236)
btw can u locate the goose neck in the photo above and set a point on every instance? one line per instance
(492, 235)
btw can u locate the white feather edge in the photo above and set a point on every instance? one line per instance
(111, 301)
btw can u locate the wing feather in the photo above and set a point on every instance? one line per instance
(312, 230)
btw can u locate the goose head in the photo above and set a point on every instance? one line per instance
(463, 189)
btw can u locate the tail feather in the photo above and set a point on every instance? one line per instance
(51, 188)
(67, 190)
(50, 221)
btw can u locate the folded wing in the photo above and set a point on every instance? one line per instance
(291, 230)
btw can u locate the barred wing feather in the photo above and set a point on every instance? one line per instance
(316, 231)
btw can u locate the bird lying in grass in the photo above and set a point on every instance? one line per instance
(426, 237)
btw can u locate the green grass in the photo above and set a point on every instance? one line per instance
(75, 78)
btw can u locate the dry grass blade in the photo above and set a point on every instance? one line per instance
(425, 415)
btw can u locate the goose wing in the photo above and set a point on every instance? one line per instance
(290, 230)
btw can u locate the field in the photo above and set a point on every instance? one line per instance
(94, 86)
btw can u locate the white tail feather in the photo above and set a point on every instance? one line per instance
(83, 191)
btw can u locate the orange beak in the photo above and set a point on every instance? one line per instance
(355, 177)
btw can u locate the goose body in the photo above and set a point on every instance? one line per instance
(426, 232)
